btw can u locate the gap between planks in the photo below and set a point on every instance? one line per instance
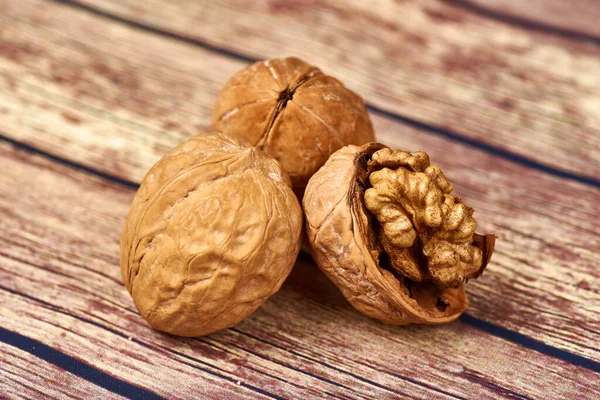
(543, 18)
(74, 366)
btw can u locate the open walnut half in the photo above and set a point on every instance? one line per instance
(385, 228)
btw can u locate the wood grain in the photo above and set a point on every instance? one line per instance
(306, 341)
(24, 376)
(524, 91)
(577, 16)
(95, 112)
(98, 101)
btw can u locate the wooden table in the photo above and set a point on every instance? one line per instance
(505, 97)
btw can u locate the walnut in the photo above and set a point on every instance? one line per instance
(294, 112)
(212, 232)
(391, 236)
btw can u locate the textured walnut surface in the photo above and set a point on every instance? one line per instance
(294, 112)
(391, 236)
(413, 204)
(213, 231)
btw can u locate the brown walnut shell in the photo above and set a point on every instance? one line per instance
(294, 112)
(212, 232)
(384, 227)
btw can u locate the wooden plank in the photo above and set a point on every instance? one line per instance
(547, 250)
(163, 372)
(101, 107)
(576, 16)
(65, 292)
(524, 91)
(24, 376)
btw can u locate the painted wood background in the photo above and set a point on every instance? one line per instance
(504, 97)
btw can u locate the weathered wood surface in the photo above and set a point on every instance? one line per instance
(526, 91)
(24, 376)
(117, 109)
(112, 97)
(574, 17)
(59, 284)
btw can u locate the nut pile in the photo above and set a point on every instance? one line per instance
(216, 225)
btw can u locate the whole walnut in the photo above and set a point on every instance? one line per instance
(212, 232)
(294, 112)
(384, 227)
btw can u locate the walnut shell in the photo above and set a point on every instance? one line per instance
(212, 232)
(391, 236)
(294, 112)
